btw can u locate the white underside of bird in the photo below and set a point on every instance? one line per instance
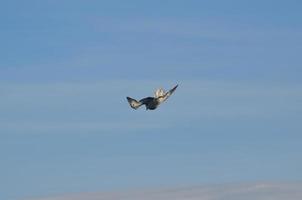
(152, 103)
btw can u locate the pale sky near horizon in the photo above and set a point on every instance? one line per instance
(67, 66)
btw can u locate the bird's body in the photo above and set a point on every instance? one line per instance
(151, 103)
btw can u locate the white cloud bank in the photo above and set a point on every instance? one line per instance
(252, 191)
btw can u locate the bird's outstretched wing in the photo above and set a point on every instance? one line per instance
(167, 95)
(133, 103)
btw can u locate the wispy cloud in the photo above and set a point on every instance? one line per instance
(259, 191)
(215, 28)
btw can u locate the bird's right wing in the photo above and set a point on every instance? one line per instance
(133, 103)
(167, 95)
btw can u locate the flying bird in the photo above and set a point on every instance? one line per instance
(152, 103)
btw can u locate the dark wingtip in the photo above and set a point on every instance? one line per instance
(175, 87)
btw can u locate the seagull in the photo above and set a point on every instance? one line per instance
(152, 103)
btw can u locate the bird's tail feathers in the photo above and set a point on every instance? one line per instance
(159, 92)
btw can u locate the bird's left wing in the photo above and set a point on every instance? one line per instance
(133, 103)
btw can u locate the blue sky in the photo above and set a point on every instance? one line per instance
(66, 67)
